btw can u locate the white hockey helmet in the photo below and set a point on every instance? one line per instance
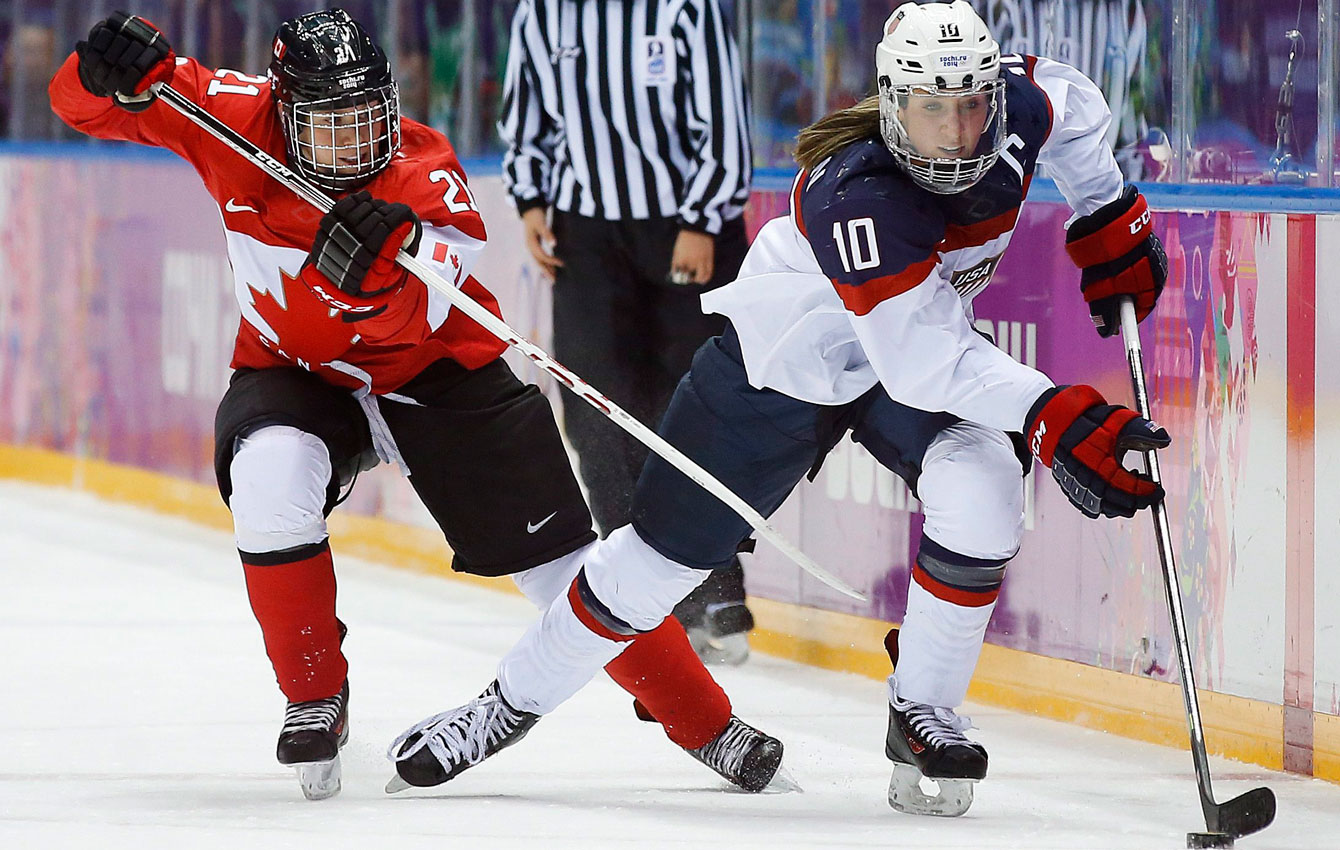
(940, 50)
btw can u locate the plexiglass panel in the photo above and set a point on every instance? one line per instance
(1238, 81)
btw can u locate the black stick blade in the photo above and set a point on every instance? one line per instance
(1251, 812)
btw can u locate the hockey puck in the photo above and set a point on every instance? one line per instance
(1196, 840)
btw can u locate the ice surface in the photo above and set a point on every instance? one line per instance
(137, 710)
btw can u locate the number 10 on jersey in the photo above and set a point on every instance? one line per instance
(860, 236)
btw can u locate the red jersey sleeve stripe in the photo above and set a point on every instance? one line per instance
(969, 235)
(861, 298)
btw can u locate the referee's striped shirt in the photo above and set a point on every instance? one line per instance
(626, 109)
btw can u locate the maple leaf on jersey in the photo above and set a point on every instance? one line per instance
(307, 330)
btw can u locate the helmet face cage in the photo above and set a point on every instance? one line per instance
(343, 142)
(338, 101)
(943, 175)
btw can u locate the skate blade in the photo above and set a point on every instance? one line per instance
(782, 782)
(905, 794)
(732, 650)
(396, 785)
(320, 780)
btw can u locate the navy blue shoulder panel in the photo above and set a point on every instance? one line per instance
(1028, 121)
(1028, 111)
(861, 183)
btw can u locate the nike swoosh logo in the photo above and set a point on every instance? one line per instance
(531, 528)
(233, 206)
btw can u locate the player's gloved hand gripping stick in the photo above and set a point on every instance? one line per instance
(653, 441)
(1254, 810)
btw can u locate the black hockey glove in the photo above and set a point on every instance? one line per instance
(1082, 439)
(355, 250)
(1120, 256)
(123, 56)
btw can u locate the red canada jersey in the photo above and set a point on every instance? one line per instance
(270, 230)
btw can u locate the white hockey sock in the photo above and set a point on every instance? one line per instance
(553, 660)
(938, 646)
(634, 589)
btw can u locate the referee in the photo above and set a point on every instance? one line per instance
(628, 159)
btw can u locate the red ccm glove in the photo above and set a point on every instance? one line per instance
(1119, 256)
(352, 266)
(1082, 439)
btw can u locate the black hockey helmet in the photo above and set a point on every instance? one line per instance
(338, 102)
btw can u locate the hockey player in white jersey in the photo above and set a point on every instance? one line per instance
(854, 313)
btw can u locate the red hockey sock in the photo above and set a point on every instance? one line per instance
(661, 670)
(293, 596)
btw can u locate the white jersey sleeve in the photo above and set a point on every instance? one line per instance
(928, 356)
(885, 251)
(1076, 153)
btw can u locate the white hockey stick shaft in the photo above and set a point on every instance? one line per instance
(496, 326)
(1130, 334)
(1254, 810)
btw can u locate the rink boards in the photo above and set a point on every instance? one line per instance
(117, 318)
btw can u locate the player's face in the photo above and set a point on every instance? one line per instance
(346, 140)
(945, 126)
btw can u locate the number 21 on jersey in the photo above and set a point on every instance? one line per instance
(243, 83)
(456, 187)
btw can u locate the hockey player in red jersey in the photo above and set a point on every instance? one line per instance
(344, 360)
(854, 313)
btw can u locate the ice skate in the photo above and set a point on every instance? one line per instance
(437, 749)
(926, 741)
(745, 757)
(717, 619)
(311, 739)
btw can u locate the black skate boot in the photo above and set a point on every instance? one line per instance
(435, 750)
(311, 739)
(924, 740)
(716, 617)
(742, 755)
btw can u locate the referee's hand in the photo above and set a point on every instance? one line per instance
(693, 258)
(540, 240)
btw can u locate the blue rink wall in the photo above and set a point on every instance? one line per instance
(117, 316)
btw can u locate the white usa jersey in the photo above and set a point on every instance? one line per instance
(870, 278)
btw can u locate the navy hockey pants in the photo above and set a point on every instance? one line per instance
(759, 443)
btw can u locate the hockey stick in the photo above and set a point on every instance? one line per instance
(1254, 810)
(491, 323)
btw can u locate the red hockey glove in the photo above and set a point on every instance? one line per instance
(355, 250)
(1082, 439)
(1120, 256)
(123, 56)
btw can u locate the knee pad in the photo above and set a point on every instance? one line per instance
(543, 584)
(971, 491)
(630, 587)
(279, 476)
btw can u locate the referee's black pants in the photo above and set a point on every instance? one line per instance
(621, 325)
